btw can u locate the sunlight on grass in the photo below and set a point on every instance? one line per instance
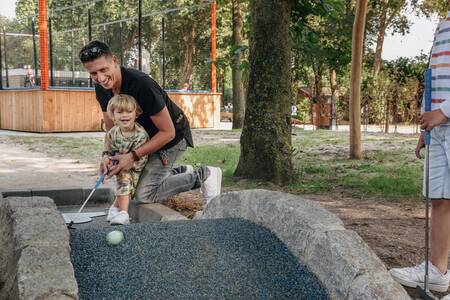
(223, 156)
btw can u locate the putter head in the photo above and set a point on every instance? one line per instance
(425, 295)
(70, 225)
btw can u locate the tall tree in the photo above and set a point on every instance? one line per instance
(266, 150)
(318, 50)
(355, 82)
(238, 85)
(387, 14)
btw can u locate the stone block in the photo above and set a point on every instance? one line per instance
(45, 272)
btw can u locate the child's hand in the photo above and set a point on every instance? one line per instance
(429, 120)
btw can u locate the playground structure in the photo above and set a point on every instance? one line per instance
(45, 106)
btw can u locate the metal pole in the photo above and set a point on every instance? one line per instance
(120, 34)
(73, 61)
(33, 31)
(427, 139)
(50, 46)
(1, 71)
(6, 57)
(120, 44)
(163, 38)
(89, 35)
(140, 35)
(89, 24)
(43, 44)
(213, 48)
(72, 46)
(104, 35)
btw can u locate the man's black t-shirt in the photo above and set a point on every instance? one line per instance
(152, 99)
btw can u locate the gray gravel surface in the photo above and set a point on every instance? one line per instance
(196, 259)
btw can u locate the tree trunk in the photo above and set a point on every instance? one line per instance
(386, 115)
(238, 86)
(380, 40)
(355, 79)
(189, 50)
(333, 86)
(266, 150)
(318, 83)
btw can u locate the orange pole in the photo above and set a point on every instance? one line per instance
(213, 48)
(43, 44)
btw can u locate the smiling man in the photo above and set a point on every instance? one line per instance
(164, 122)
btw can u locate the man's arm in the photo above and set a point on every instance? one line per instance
(108, 122)
(166, 133)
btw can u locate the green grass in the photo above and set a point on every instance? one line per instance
(223, 156)
(388, 169)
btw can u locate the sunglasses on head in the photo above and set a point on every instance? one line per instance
(91, 53)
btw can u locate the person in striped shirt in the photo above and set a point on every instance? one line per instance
(436, 121)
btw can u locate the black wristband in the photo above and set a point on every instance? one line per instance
(135, 155)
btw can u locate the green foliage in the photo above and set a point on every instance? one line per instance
(321, 42)
(224, 156)
(432, 7)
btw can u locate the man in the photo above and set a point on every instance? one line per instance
(437, 121)
(163, 120)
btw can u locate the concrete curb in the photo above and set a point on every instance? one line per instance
(35, 261)
(341, 260)
(65, 196)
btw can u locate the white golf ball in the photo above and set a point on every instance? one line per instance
(114, 237)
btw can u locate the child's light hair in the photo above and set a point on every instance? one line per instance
(124, 102)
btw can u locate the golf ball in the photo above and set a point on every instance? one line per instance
(114, 237)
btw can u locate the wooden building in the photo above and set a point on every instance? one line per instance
(71, 110)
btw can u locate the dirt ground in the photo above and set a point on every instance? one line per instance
(395, 231)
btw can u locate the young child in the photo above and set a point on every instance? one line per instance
(124, 137)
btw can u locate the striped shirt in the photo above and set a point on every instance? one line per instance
(440, 68)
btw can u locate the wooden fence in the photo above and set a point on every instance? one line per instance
(77, 110)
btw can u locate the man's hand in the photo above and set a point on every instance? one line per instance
(105, 164)
(125, 162)
(429, 120)
(420, 145)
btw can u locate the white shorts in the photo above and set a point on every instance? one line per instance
(439, 164)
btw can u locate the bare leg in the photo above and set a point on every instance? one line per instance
(122, 202)
(440, 234)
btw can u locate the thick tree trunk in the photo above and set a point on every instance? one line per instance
(266, 150)
(355, 79)
(238, 86)
(380, 40)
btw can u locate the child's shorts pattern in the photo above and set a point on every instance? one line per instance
(439, 164)
(126, 183)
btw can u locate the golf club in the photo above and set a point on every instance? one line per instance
(97, 184)
(424, 292)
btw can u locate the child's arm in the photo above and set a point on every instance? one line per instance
(106, 155)
(140, 164)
